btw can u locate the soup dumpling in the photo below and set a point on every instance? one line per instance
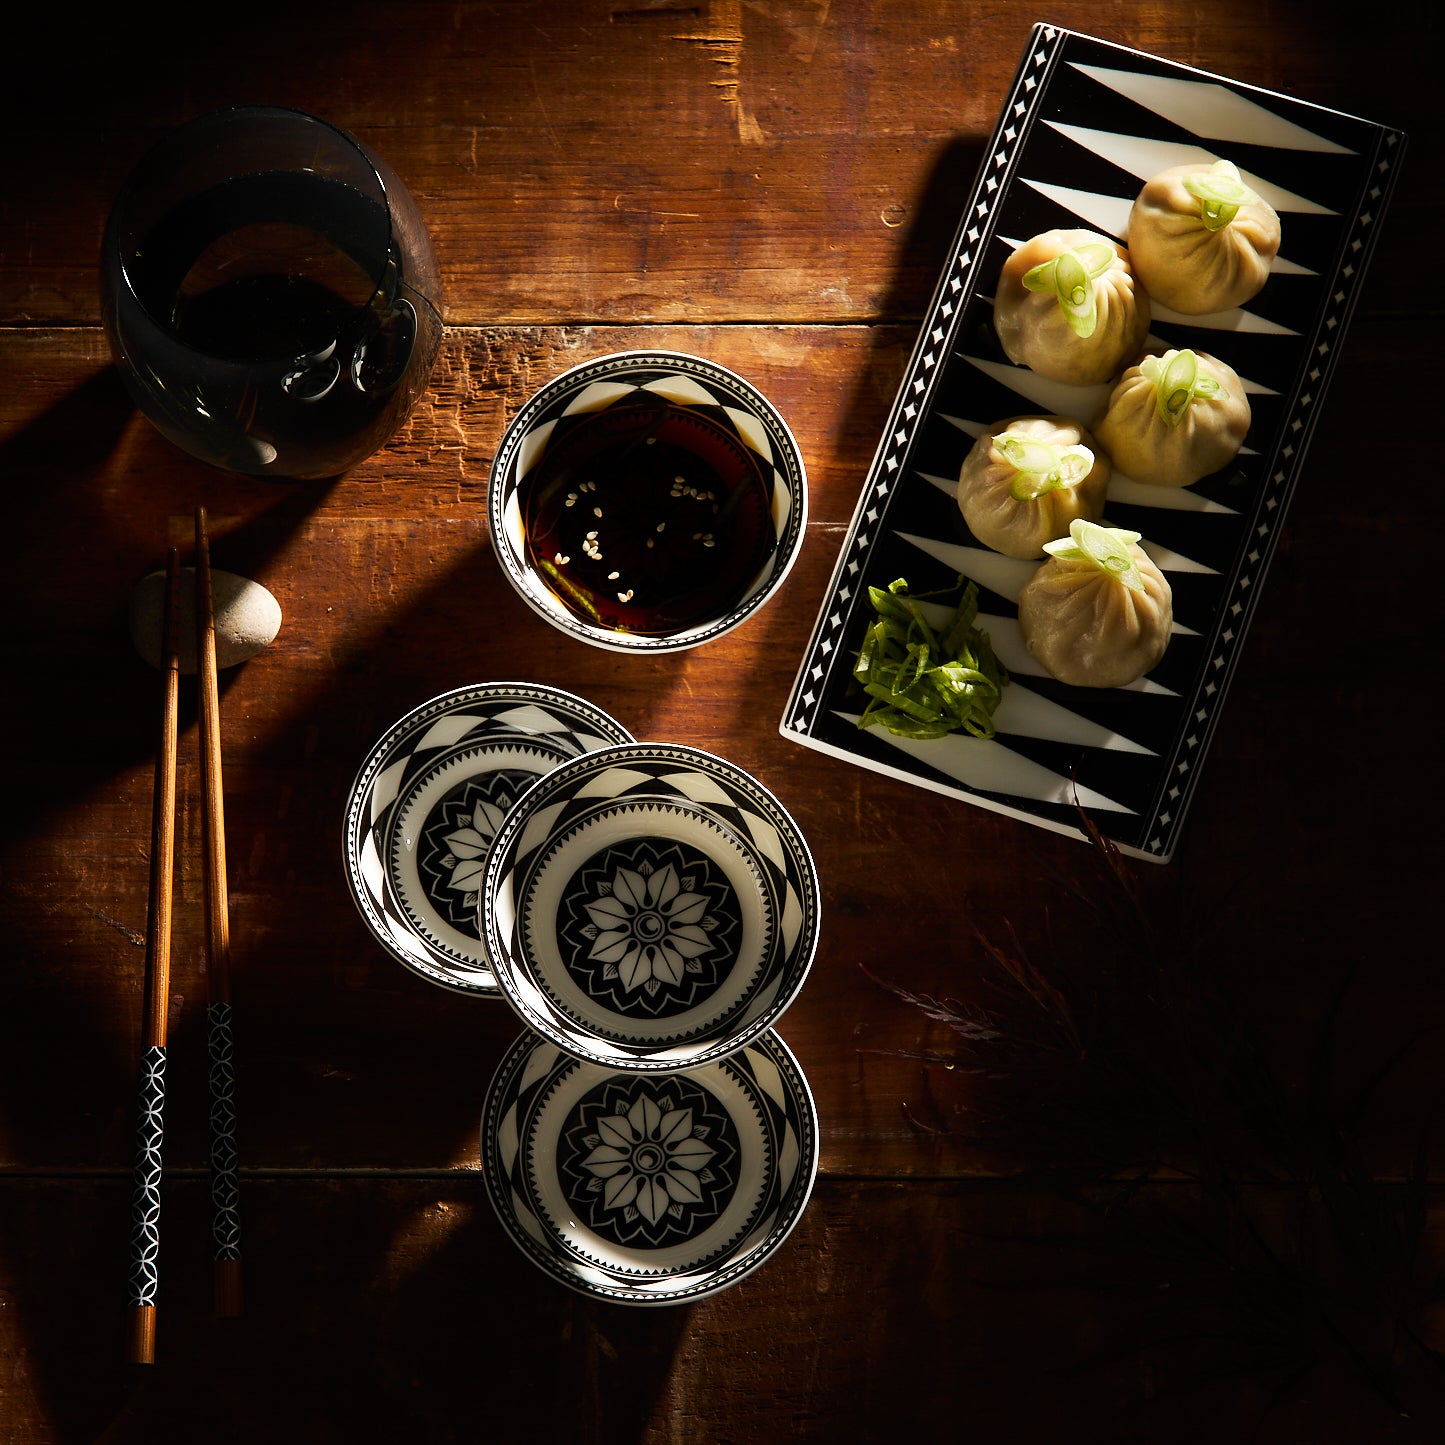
(1175, 417)
(1200, 240)
(1025, 480)
(1068, 307)
(1098, 613)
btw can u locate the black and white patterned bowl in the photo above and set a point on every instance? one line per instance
(649, 1188)
(427, 802)
(720, 401)
(650, 907)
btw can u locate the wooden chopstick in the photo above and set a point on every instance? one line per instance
(225, 1219)
(150, 1132)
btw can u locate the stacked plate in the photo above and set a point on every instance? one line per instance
(649, 912)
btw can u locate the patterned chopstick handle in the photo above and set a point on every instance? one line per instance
(225, 1194)
(145, 1238)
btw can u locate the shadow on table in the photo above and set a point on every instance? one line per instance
(409, 1316)
(925, 247)
(89, 514)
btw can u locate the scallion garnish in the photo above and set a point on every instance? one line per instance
(1108, 548)
(1041, 467)
(926, 682)
(1220, 194)
(1070, 277)
(1178, 381)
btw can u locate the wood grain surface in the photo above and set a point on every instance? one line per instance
(1121, 1239)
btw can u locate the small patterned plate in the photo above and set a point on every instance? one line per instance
(649, 1188)
(650, 907)
(429, 799)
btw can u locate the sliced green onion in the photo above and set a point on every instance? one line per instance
(1042, 467)
(1220, 194)
(560, 583)
(1076, 295)
(1108, 548)
(1177, 382)
(1070, 277)
(921, 684)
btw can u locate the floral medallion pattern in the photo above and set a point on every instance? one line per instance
(456, 838)
(649, 1163)
(651, 928)
(648, 1188)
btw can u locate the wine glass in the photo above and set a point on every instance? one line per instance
(270, 294)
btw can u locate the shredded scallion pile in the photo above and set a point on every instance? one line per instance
(924, 682)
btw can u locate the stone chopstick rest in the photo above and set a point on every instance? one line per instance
(248, 617)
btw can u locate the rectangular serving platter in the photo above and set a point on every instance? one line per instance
(1085, 124)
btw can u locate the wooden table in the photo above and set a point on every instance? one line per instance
(1190, 1198)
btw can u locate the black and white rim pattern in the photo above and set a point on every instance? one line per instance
(725, 398)
(647, 1188)
(699, 891)
(1086, 123)
(145, 1233)
(225, 1159)
(428, 800)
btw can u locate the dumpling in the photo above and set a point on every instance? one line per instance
(1024, 480)
(1098, 612)
(1200, 240)
(1068, 307)
(1174, 417)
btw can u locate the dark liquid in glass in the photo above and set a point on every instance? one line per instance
(289, 280)
(647, 518)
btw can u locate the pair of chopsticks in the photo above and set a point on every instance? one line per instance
(150, 1132)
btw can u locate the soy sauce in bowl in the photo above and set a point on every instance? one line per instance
(648, 517)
